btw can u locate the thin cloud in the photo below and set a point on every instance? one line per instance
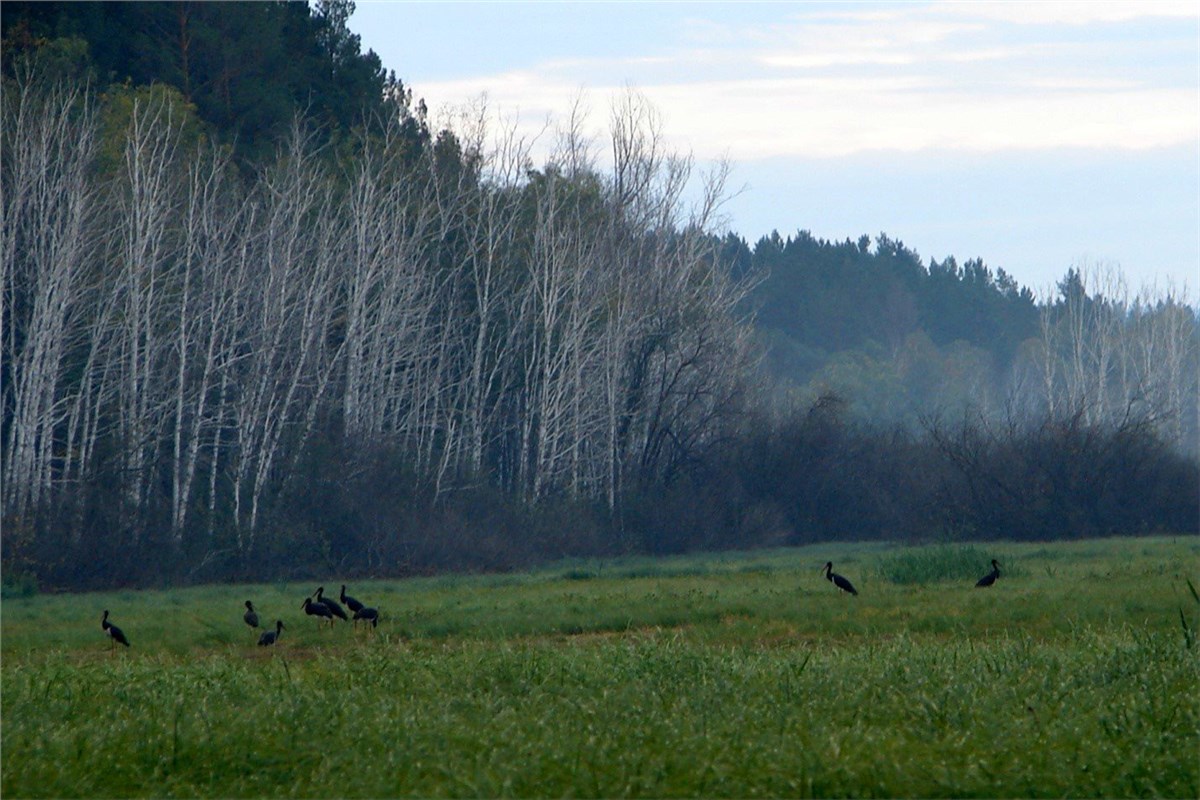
(812, 121)
(1068, 12)
(820, 60)
(757, 119)
(906, 78)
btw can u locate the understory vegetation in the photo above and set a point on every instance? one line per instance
(735, 675)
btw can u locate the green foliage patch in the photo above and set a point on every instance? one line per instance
(18, 584)
(936, 563)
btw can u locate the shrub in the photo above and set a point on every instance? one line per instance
(19, 584)
(941, 563)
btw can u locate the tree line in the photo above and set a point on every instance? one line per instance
(178, 341)
(356, 344)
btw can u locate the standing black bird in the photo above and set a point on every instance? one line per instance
(370, 615)
(331, 604)
(317, 610)
(990, 578)
(350, 602)
(250, 616)
(114, 633)
(271, 637)
(838, 580)
(353, 604)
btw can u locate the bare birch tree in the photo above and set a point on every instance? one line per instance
(146, 205)
(286, 325)
(1107, 357)
(49, 135)
(213, 277)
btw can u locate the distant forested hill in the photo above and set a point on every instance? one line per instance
(854, 311)
(843, 295)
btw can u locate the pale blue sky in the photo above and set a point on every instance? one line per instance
(1035, 136)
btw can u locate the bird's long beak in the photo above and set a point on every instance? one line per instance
(306, 600)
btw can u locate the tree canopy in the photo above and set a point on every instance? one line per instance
(249, 68)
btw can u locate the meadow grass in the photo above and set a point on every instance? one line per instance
(740, 674)
(959, 563)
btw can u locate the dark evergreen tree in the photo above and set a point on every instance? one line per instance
(249, 68)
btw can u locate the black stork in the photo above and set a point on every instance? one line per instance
(113, 632)
(269, 638)
(366, 614)
(990, 578)
(334, 609)
(251, 616)
(319, 610)
(353, 604)
(350, 602)
(838, 580)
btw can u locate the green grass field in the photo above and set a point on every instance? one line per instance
(731, 675)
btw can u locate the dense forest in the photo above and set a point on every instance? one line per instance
(261, 320)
